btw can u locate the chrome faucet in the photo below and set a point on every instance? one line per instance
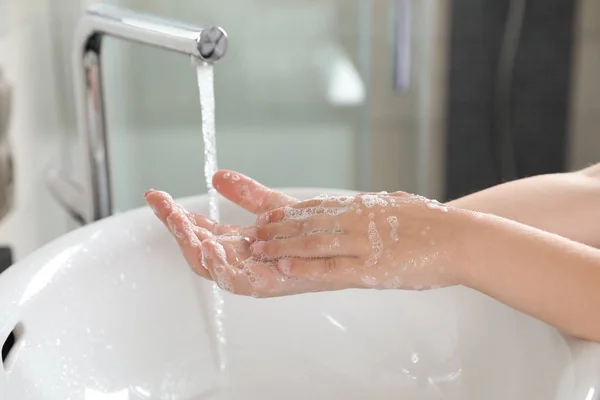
(92, 200)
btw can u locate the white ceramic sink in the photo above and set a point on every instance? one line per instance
(112, 312)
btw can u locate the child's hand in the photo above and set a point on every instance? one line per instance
(383, 241)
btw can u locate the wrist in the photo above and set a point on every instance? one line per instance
(467, 227)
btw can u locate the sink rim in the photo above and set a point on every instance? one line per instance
(585, 354)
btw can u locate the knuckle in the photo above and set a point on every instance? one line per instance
(330, 265)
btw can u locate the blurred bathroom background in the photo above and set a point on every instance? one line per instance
(357, 94)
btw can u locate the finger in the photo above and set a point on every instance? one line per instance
(261, 277)
(307, 209)
(189, 243)
(338, 270)
(236, 250)
(248, 193)
(314, 225)
(216, 228)
(163, 205)
(323, 245)
(296, 214)
(215, 260)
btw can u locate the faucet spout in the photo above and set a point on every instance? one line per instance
(208, 43)
(92, 200)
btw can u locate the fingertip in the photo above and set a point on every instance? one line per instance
(221, 172)
(268, 217)
(160, 202)
(218, 177)
(262, 233)
(226, 183)
(148, 193)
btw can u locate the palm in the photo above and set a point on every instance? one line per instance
(226, 248)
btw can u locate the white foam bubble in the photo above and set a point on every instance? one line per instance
(245, 192)
(370, 281)
(394, 283)
(291, 213)
(370, 200)
(393, 223)
(376, 245)
(435, 205)
(337, 228)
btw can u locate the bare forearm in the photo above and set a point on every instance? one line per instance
(544, 275)
(565, 204)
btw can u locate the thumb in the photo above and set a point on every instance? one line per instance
(248, 193)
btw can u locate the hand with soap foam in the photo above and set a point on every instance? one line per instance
(318, 245)
(222, 252)
(527, 243)
(373, 240)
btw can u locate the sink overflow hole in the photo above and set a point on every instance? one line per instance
(10, 344)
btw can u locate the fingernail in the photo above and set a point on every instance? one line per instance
(258, 247)
(285, 266)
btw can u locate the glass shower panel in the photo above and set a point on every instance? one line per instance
(292, 100)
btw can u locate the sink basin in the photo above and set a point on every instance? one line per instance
(111, 311)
